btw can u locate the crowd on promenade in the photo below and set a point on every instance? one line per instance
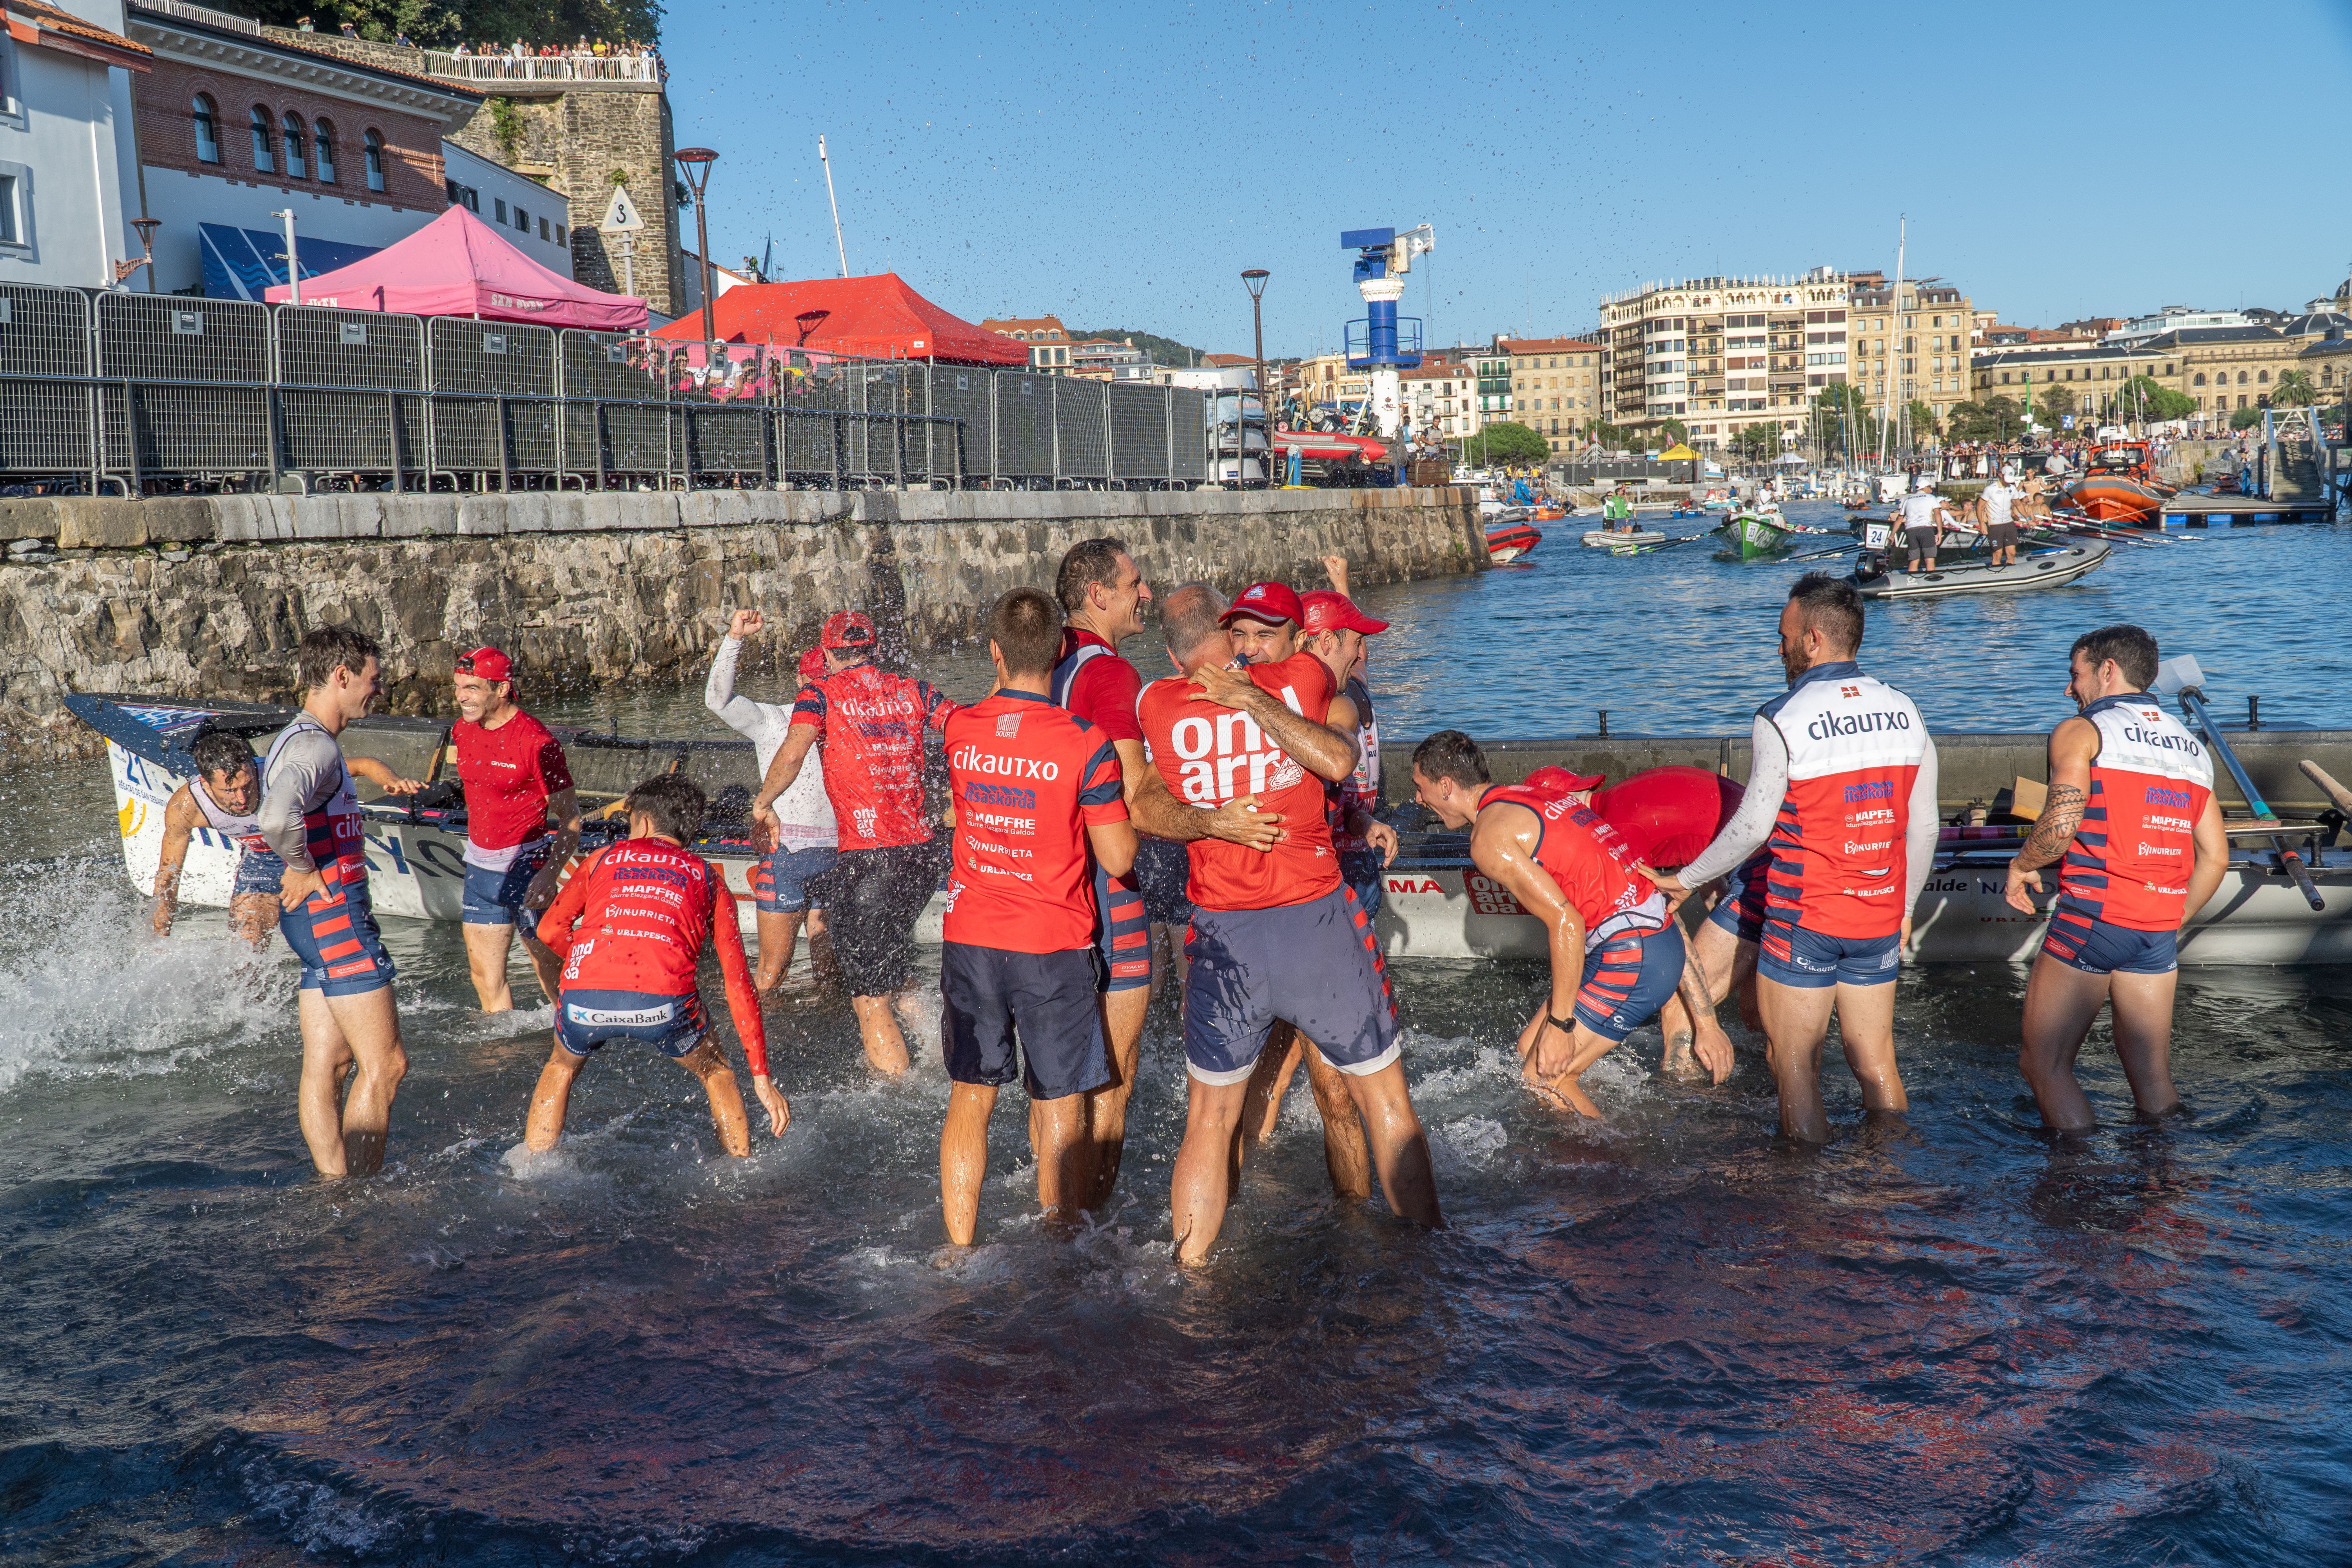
(520, 50)
(1219, 830)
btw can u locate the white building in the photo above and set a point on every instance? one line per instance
(527, 215)
(2171, 319)
(68, 154)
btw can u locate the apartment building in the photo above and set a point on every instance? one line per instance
(1049, 341)
(2094, 377)
(1722, 353)
(1440, 400)
(1909, 344)
(1109, 359)
(1555, 385)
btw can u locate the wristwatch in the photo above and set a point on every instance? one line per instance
(1565, 1025)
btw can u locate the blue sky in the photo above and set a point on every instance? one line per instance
(1120, 164)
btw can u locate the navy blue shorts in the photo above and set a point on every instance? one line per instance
(258, 871)
(1122, 931)
(2094, 946)
(1366, 875)
(1316, 965)
(1810, 960)
(781, 883)
(495, 898)
(1043, 1002)
(1165, 870)
(334, 934)
(1740, 910)
(670, 1025)
(1627, 979)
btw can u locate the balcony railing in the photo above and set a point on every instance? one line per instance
(543, 67)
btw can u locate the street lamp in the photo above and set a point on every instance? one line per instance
(808, 320)
(146, 228)
(1254, 281)
(696, 162)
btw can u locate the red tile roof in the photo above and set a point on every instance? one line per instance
(69, 30)
(1548, 346)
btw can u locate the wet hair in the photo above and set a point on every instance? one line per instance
(1451, 754)
(1832, 606)
(1091, 562)
(672, 801)
(326, 649)
(2133, 650)
(1188, 617)
(1026, 627)
(219, 753)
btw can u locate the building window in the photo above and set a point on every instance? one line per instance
(207, 130)
(542, 229)
(295, 162)
(12, 227)
(502, 211)
(262, 163)
(523, 220)
(2264, 378)
(2241, 381)
(374, 142)
(322, 139)
(561, 238)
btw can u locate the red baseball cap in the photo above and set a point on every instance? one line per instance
(488, 663)
(1556, 780)
(1329, 612)
(847, 629)
(813, 664)
(1267, 602)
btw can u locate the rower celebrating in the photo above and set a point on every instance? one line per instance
(2131, 813)
(633, 923)
(1338, 634)
(807, 841)
(872, 723)
(226, 798)
(1843, 786)
(309, 817)
(522, 824)
(1275, 934)
(1616, 954)
(1038, 792)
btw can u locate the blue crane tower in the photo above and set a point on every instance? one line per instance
(1384, 343)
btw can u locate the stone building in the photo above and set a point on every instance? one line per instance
(1720, 354)
(2093, 378)
(1555, 385)
(1909, 344)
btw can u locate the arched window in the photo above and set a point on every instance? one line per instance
(296, 164)
(207, 130)
(2264, 378)
(374, 142)
(2199, 381)
(262, 127)
(2242, 378)
(323, 138)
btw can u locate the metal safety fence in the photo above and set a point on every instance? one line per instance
(144, 394)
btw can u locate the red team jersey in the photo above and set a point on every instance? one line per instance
(1590, 862)
(1209, 755)
(1668, 816)
(2130, 860)
(872, 726)
(636, 918)
(1093, 682)
(1028, 780)
(508, 774)
(1854, 746)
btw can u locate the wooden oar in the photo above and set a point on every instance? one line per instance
(2335, 792)
(2184, 680)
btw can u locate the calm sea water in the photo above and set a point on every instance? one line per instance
(1668, 1338)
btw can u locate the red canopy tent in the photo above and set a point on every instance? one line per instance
(459, 265)
(866, 318)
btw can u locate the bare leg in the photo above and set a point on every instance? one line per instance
(824, 964)
(1206, 1165)
(1866, 1028)
(1710, 974)
(963, 1158)
(707, 1062)
(1796, 1023)
(1123, 1016)
(1269, 1081)
(2143, 1020)
(486, 956)
(877, 1027)
(1345, 1156)
(1066, 1162)
(545, 963)
(1585, 1048)
(779, 933)
(2061, 1004)
(1400, 1147)
(254, 916)
(339, 1032)
(551, 1099)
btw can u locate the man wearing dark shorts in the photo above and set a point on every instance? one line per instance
(309, 817)
(1276, 934)
(2132, 820)
(633, 924)
(1616, 954)
(873, 724)
(522, 824)
(1037, 791)
(1998, 503)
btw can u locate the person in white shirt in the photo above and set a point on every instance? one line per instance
(1998, 502)
(807, 838)
(1925, 515)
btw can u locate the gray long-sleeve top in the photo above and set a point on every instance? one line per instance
(305, 769)
(1767, 785)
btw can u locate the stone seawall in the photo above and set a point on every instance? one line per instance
(206, 596)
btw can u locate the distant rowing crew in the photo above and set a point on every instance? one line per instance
(1260, 757)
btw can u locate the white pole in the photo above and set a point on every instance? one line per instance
(628, 264)
(293, 270)
(835, 204)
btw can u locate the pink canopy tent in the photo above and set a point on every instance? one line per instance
(458, 266)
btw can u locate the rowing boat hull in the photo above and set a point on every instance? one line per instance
(1601, 539)
(1755, 536)
(2054, 569)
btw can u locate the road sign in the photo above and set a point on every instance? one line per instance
(622, 216)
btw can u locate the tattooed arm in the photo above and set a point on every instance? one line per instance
(2073, 746)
